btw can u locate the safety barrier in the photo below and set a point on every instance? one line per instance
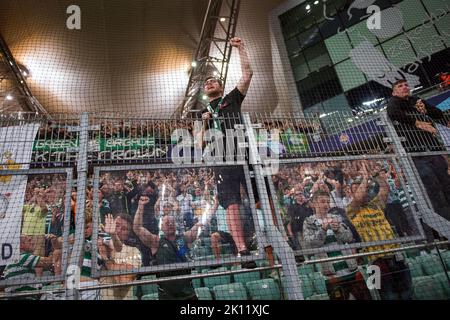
(252, 206)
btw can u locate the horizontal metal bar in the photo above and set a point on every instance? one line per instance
(155, 166)
(177, 266)
(35, 171)
(365, 254)
(331, 158)
(215, 274)
(359, 245)
(6, 283)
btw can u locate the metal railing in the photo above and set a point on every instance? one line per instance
(306, 157)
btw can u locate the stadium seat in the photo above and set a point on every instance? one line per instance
(319, 282)
(265, 289)
(153, 296)
(149, 288)
(415, 267)
(323, 296)
(211, 282)
(232, 291)
(245, 277)
(202, 251)
(307, 286)
(263, 263)
(442, 279)
(203, 293)
(52, 287)
(431, 264)
(226, 248)
(306, 269)
(197, 283)
(428, 288)
(446, 257)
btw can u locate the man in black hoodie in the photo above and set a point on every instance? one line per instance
(415, 120)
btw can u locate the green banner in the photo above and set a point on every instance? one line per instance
(110, 144)
(294, 142)
(54, 144)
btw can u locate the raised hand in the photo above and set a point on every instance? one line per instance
(335, 225)
(206, 116)
(143, 200)
(110, 224)
(236, 42)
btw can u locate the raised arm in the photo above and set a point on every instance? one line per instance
(110, 228)
(147, 238)
(383, 194)
(191, 235)
(247, 72)
(360, 193)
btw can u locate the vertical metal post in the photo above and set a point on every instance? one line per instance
(76, 258)
(281, 248)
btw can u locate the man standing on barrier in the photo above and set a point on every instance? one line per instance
(222, 113)
(417, 122)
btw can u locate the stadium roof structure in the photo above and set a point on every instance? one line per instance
(131, 56)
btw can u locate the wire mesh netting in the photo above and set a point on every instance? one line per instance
(225, 150)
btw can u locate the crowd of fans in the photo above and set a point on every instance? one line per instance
(345, 202)
(188, 195)
(41, 237)
(296, 185)
(330, 194)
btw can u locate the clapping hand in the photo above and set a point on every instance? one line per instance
(110, 224)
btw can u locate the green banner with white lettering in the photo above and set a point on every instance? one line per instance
(109, 144)
(54, 144)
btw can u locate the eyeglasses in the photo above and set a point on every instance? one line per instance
(209, 81)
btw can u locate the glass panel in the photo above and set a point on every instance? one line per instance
(317, 57)
(338, 47)
(299, 67)
(399, 51)
(360, 32)
(426, 41)
(443, 26)
(319, 86)
(329, 28)
(349, 75)
(309, 38)
(436, 7)
(413, 13)
(292, 46)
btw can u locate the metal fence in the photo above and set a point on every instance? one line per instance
(252, 206)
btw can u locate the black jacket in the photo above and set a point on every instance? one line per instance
(404, 114)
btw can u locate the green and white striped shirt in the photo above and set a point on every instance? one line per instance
(22, 271)
(86, 269)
